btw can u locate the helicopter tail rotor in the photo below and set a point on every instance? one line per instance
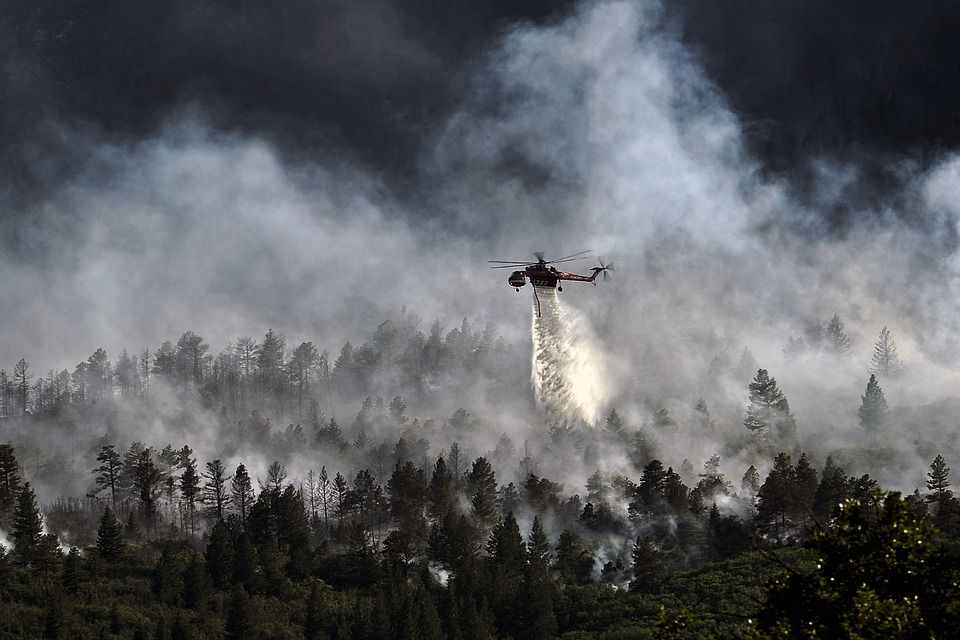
(605, 269)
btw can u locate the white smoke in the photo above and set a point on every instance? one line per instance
(567, 372)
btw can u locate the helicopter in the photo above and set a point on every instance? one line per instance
(543, 275)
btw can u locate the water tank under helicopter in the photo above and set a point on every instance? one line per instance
(517, 279)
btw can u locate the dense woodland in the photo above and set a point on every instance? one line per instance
(394, 526)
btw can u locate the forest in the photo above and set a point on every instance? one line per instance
(176, 494)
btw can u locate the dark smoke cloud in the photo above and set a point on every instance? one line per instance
(859, 82)
(372, 80)
(362, 79)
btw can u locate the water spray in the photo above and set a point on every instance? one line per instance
(566, 373)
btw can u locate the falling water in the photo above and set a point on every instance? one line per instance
(566, 373)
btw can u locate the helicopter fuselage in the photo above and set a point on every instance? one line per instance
(544, 276)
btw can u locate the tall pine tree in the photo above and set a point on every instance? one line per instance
(109, 536)
(768, 414)
(873, 408)
(27, 526)
(885, 361)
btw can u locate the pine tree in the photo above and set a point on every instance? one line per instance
(834, 338)
(833, 489)
(71, 571)
(614, 424)
(440, 491)
(219, 555)
(885, 361)
(505, 544)
(241, 492)
(648, 566)
(146, 480)
(109, 536)
(649, 495)
(774, 499)
(27, 526)
(750, 484)
(712, 480)
(574, 561)
(873, 408)
(701, 416)
(21, 379)
(9, 482)
(538, 594)
(108, 473)
(768, 413)
(483, 485)
(805, 489)
(190, 490)
(938, 483)
(215, 494)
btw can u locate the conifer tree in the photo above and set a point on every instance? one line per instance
(834, 488)
(574, 562)
(701, 416)
(190, 490)
(109, 536)
(805, 489)
(21, 378)
(146, 480)
(768, 413)
(215, 494)
(834, 339)
(540, 621)
(774, 499)
(885, 361)
(440, 491)
(108, 473)
(614, 424)
(938, 484)
(483, 485)
(241, 492)
(505, 545)
(750, 484)
(9, 481)
(219, 555)
(27, 526)
(873, 408)
(71, 571)
(648, 567)
(712, 480)
(675, 492)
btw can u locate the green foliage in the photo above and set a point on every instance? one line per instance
(768, 414)
(881, 572)
(27, 526)
(873, 408)
(109, 536)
